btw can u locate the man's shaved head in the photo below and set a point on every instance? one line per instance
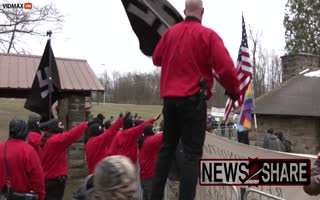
(192, 5)
(194, 8)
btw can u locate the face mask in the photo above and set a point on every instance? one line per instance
(55, 126)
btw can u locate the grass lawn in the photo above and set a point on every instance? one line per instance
(14, 107)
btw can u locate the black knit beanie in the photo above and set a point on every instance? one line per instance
(18, 129)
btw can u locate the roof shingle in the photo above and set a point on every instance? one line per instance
(297, 96)
(18, 71)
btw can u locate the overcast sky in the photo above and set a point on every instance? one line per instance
(99, 31)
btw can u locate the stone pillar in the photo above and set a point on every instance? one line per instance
(71, 113)
(63, 111)
(293, 64)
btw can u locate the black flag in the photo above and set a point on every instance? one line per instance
(149, 20)
(41, 96)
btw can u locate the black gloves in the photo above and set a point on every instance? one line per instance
(92, 121)
(120, 115)
(128, 116)
(234, 97)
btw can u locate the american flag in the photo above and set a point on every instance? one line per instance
(244, 71)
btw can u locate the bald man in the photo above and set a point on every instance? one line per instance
(188, 53)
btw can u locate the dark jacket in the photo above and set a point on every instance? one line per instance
(266, 141)
(84, 191)
(276, 144)
(314, 187)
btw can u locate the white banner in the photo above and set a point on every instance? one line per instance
(219, 147)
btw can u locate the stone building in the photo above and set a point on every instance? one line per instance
(293, 107)
(77, 80)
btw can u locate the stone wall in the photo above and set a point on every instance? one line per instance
(294, 64)
(71, 113)
(303, 132)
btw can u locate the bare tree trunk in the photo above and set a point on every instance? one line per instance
(255, 38)
(12, 38)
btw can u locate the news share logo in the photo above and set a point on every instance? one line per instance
(254, 172)
(26, 6)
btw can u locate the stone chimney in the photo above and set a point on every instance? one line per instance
(293, 64)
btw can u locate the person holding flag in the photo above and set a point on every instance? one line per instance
(188, 53)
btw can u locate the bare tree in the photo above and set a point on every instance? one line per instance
(219, 98)
(255, 39)
(131, 87)
(268, 71)
(274, 71)
(17, 22)
(144, 88)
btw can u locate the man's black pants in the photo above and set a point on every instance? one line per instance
(146, 185)
(183, 117)
(55, 189)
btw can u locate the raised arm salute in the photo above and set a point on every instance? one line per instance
(53, 156)
(99, 143)
(125, 142)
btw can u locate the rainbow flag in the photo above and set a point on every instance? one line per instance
(245, 120)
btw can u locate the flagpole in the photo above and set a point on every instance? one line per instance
(155, 12)
(49, 33)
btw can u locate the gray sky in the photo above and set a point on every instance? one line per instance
(99, 31)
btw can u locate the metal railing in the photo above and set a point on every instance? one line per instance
(222, 192)
(230, 133)
(226, 192)
(260, 194)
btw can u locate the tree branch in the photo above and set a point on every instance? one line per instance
(17, 22)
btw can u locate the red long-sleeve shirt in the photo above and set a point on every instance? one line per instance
(188, 51)
(34, 140)
(53, 155)
(148, 155)
(24, 167)
(125, 142)
(97, 146)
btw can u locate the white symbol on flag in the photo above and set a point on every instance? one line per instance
(44, 82)
(149, 17)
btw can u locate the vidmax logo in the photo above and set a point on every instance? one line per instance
(27, 5)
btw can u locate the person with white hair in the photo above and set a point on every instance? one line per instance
(114, 178)
(188, 54)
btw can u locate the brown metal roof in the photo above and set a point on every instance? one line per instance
(297, 96)
(18, 71)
